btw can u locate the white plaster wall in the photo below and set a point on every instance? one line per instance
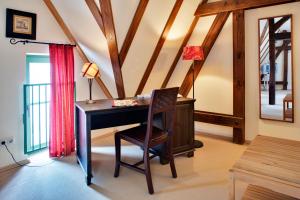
(168, 52)
(197, 38)
(144, 43)
(254, 125)
(12, 76)
(123, 12)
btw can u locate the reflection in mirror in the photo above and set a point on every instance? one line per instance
(276, 70)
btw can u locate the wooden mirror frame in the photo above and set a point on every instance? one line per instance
(292, 70)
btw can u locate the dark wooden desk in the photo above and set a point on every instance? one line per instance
(102, 115)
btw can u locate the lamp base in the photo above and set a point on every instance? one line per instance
(90, 101)
(198, 144)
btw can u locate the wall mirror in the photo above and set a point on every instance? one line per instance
(276, 68)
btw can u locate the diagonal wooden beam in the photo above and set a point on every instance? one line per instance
(159, 45)
(71, 38)
(183, 44)
(224, 6)
(278, 24)
(207, 45)
(96, 13)
(263, 34)
(111, 38)
(132, 30)
(284, 45)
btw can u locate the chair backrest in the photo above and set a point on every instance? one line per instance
(162, 101)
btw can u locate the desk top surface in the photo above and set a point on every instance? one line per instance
(272, 157)
(106, 104)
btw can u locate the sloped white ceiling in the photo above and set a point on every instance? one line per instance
(144, 43)
(123, 12)
(80, 21)
(168, 52)
(217, 69)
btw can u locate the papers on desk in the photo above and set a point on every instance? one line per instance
(148, 96)
(125, 102)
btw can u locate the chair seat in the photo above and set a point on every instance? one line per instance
(137, 135)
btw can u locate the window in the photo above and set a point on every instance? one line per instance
(36, 103)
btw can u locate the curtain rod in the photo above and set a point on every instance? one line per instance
(13, 41)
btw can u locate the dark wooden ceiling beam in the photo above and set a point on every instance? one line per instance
(207, 45)
(263, 34)
(159, 45)
(96, 13)
(278, 24)
(132, 29)
(183, 44)
(283, 36)
(72, 39)
(285, 45)
(225, 6)
(110, 33)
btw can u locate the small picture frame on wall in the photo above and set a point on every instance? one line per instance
(20, 24)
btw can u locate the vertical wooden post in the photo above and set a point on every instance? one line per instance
(239, 73)
(272, 81)
(285, 65)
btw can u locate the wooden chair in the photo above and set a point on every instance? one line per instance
(146, 136)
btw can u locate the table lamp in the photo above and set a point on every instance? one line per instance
(193, 53)
(90, 71)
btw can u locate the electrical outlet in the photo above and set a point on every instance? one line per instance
(8, 140)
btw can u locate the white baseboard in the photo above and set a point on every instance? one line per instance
(13, 166)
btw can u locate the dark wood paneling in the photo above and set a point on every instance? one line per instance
(225, 6)
(218, 119)
(159, 45)
(110, 34)
(207, 45)
(183, 44)
(132, 30)
(71, 38)
(96, 13)
(238, 21)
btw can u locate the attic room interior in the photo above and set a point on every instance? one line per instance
(150, 99)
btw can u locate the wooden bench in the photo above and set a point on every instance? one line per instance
(259, 193)
(287, 110)
(271, 163)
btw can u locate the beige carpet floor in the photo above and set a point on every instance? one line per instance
(205, 176)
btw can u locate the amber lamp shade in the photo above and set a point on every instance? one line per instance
(90, 71)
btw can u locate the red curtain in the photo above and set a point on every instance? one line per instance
(61, 142)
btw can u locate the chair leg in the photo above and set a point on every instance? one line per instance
(171, 158)
(148, 172)
(118, 155)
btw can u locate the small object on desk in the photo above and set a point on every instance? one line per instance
(90, 71)
(125, 102)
